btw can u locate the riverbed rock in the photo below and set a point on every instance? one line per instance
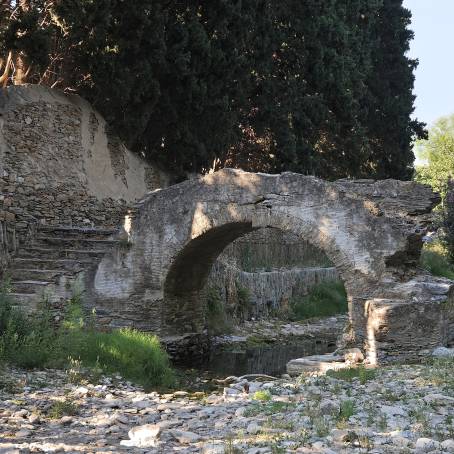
(315, 363)
(142, 436)
(398, 409)
(443, 352)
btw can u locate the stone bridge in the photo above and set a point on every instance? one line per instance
(371, 231)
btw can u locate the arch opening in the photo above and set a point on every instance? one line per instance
(227, 273)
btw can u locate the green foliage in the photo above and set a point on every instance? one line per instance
(262, 396)
(440, 372)
(33, 342)
(347, 409)
(448, 221)
(434, 258)
(351, 373)
(25, 341)
(244, 306)
(325, 299)
(63, 408)
(438, 153)
(317, 87)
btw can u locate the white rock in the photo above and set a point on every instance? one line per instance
(23, 433)
(443, 352)
(231, 392)
(393, 410)
(448, 445)
(81, 391)
(213, 448)
(425, 445)
(143, 436)
(353, 356)
(253, 428)
(240, 411)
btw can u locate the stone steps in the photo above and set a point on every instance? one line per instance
(21, 274)
(58, 253)
(51, 264)
(73, 242)
(29, 286)
(62, 265)
(77, 232)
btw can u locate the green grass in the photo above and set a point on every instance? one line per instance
(347, 409)
(325, 299)
(62, 408)
(434, 258)
(350, 373)
(34, 342)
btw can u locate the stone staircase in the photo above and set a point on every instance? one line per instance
(52, 265)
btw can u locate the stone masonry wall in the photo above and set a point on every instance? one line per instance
(60, 166)
(273, 267)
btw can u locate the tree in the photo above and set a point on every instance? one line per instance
(390, 100)
(437, 154)
(315, 87)
(437, 170)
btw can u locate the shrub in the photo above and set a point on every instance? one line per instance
(244, 309)
(34, 342)
(62, 408)
(434, 258)
(347, 409)
(263, 396)
(25, 341)
(325, 299)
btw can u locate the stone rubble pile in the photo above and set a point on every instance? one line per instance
(402, 409)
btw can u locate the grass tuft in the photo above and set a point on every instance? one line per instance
(434, 258)
(32, 342)
(351, 373)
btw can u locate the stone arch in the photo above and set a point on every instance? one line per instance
(370, 230)
(189, 270)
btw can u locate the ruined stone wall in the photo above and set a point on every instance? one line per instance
(269, 293)
(59, 165)
(273, 267)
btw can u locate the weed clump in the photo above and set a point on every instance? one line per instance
(32, 342)
(435, 259)
(351, 373)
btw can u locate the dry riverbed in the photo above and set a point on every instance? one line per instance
(401, 409)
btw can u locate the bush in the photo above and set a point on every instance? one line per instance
(34, 342)
(325, 299)
(263, 396)
(27, 342)
(434, 258)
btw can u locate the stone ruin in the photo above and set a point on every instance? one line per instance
(371, 231)
(65, 184)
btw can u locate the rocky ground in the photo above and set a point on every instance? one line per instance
(399, 409)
